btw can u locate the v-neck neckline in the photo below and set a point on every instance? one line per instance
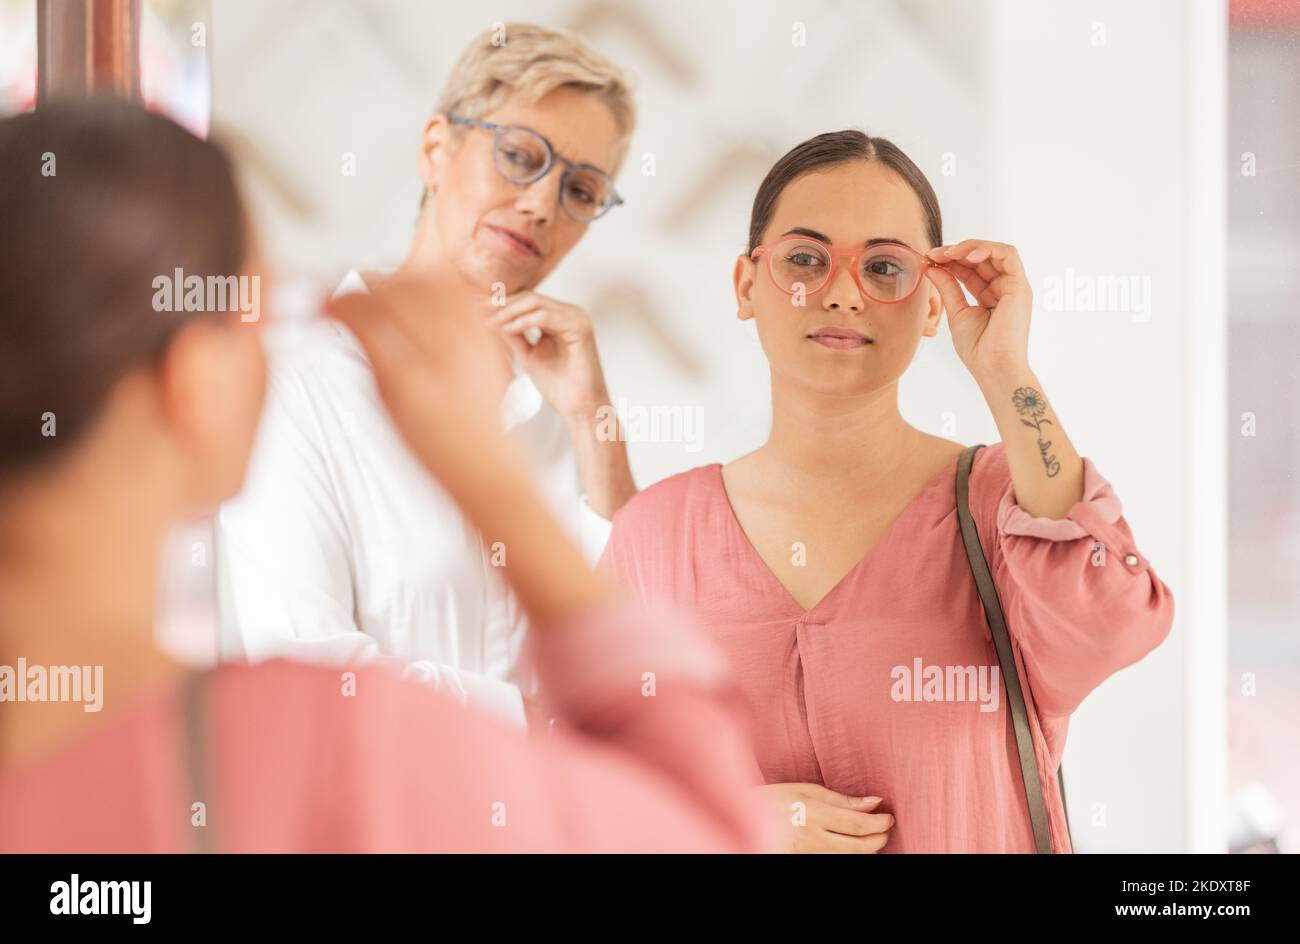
(949, 471)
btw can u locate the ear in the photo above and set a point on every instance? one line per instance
(189, 364)
(743, 280)
(199, 377)
(433, 149)
(934, 312)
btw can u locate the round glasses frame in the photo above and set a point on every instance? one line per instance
(499, 131)
(837, 257)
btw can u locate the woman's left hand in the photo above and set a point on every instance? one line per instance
(563, 363)
(992, 335)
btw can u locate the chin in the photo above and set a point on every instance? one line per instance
(490, 269)
(848, 381)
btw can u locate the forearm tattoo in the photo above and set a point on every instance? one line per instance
(1030, 403)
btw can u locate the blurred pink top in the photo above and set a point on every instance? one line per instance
(822, 686)
(649, 755)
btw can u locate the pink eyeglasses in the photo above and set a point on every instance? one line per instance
(885, 272)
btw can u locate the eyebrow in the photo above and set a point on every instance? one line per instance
(822, 237)
(556, 152)
(493, 125)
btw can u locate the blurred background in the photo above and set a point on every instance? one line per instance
(1145, 159)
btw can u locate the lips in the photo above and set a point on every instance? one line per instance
(839, 339)
(516, 239)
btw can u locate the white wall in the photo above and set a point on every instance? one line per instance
(1107, 119)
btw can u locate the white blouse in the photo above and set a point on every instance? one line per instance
(342, 549)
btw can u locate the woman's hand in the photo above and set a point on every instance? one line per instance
(991, 336)
(563, 363)
(438, 376)
(439, 370)
(821, 820)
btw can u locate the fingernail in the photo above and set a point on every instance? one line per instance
(871, 799)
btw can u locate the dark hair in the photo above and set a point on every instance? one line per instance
(97, 200)
(831, 149)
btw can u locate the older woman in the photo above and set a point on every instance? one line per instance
(342, 549)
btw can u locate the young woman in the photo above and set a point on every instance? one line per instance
(341, 550)
(116, 418)
(829, 562)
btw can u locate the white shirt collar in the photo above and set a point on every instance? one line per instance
(522, 400)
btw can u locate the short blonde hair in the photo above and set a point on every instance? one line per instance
(532, 61)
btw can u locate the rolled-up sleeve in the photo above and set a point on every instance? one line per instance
(1080, 598)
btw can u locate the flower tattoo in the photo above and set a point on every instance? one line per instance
(1030, 403)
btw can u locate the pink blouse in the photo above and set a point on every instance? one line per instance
(889, 686)
(650, 755)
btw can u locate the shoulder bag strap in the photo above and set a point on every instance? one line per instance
(1006, 658)
(194, 734)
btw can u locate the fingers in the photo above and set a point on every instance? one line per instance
(521, 323)
(949, 288)
(851, 822)
(545, 314)
(815, 791)
(834, 822)
(517, 305)
(523, 302)
(844, 814)
(974, 282)
(1002, 257)
(519, 346)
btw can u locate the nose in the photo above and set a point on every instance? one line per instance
(541, 198)
(842, 294)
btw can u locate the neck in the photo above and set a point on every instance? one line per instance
(77, 589)
(425, 253)
(425, 258)
(861, 439)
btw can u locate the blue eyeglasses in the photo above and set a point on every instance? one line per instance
(522, 156)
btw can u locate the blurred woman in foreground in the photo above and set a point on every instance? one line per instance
(117, 418)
